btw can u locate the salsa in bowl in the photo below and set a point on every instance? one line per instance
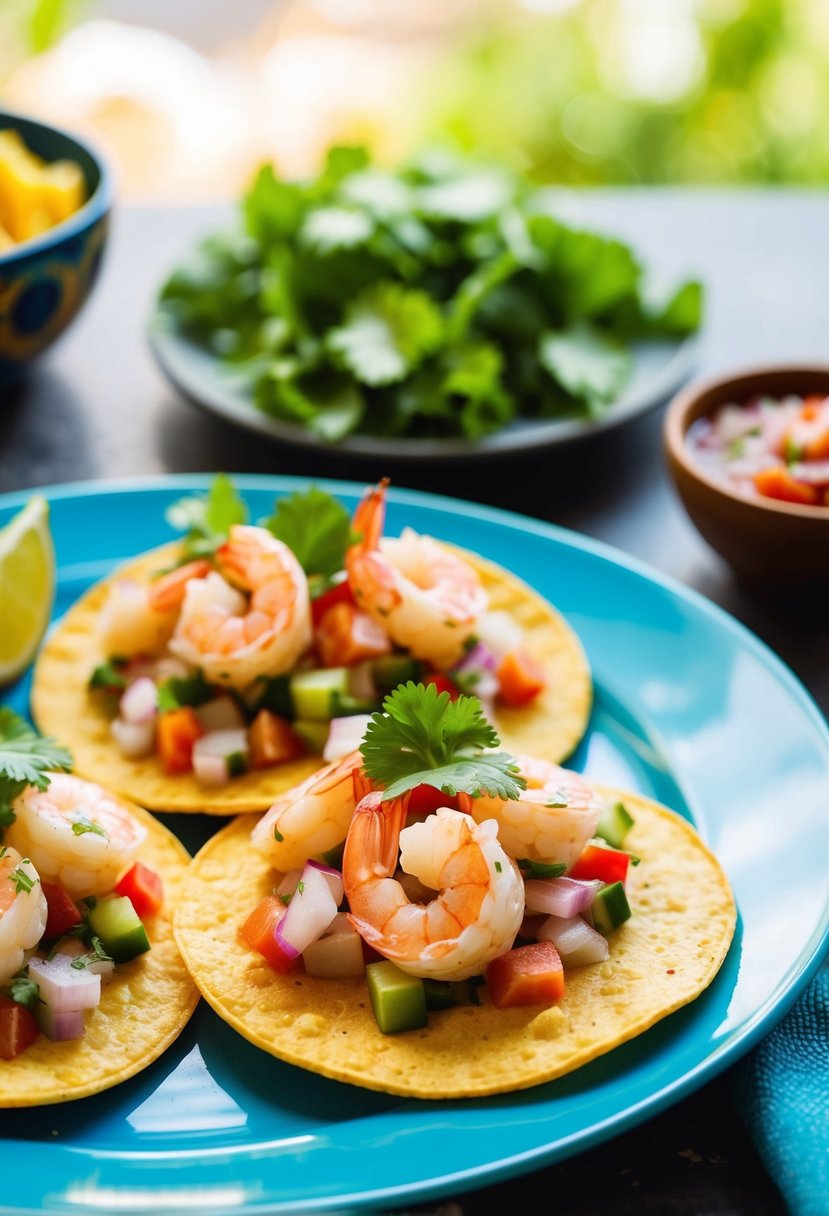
(749, 454)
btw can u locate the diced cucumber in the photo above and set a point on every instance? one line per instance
(614, 824)
(439, 994)
(344, 706)
(118, 925)
(394, 669)
(610, 907)
(313, 734)
(315, 693)
(237, 763)
(398, 999)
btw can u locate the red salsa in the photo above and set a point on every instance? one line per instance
(768, 448)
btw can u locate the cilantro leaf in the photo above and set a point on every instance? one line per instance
(387, 332)
(315, 527)
(23, 882)
(424, 738)
(329, 228)
(82, 825)
(24, 990)
(587, 363)
(207, 519)
(97, 954)
(108, 676)
(25, 759)
(177, 691)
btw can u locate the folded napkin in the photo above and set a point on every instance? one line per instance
(782, 1092)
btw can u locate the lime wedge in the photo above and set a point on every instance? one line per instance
(27, 586)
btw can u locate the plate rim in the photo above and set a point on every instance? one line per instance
(733, 1045)
(165, 339)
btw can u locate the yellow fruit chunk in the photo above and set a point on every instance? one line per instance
(27, 586)
(35, 196)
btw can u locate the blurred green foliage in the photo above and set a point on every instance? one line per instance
(28, 27)
(651, 91)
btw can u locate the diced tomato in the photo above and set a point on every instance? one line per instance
(425, 799)
(144, 888)
(370, 955)
(259, 932)
(443, 684)
(346, 635)
(526, 975)
(272, 740)
(777, 482)
(176, 732)
(61, 911)
(340, 593)
(808, 434)
(521, 678)
(601, 861)
(18, 1029)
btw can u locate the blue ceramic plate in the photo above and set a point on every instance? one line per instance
(690, 708)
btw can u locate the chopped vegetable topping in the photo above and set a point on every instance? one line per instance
(185, 690)
(424, 738)
(315, 527)
(25, 759)
(109, 676)
(541, 869)
(23, 882)
(97, 954)
(24, 990)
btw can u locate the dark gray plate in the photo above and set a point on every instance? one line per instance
(659, 369)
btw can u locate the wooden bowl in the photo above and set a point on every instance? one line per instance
(771, 545)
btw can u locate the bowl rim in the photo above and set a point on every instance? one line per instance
(676, 425)
(95, 207)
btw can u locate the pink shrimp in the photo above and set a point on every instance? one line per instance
(426, 597)
(234, 638)
(480, 894)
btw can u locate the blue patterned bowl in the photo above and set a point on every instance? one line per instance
(44, 281)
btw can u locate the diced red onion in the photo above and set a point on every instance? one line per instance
(60, 1027)
(559, 896)
(135, 739)
(344, 736)
(361, 683)
(211, 770)
(222, 743)
(499, 632)
(222, 713)
(64, 987)
(338, 954)
(289, 882)
(333, 877)
(287, 947)
(72, 947)
(477, 658)
(139, 701)
(815, 473)
(577, 943)
(310, 912)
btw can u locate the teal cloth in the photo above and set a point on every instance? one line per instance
(782, 1093)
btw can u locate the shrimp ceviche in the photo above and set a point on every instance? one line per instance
(74, 896)
(448, 863)
(266, 643)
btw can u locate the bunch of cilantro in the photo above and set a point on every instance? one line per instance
(444, 299)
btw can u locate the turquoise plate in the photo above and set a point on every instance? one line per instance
(690, 708)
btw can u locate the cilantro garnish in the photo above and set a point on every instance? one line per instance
(424, 738)
(300, 887)
(25, 759)
(207, 519)
(82, 825)
(183, 690)
(24, 990)
(109, 676)
(277, 835)
(23, 882)
(541, 869)
(315, 527)
(97, 954)
(286, 899)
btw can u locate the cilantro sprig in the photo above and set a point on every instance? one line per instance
(207, 519)
(25, 759)
(422, 737)
(315, 527)
(24, 991)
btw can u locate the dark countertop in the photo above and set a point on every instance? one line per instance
(97, 407)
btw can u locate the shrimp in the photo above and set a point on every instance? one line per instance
(425, 597)
(235, 640)
(311, 818)
(480, 902)
(553, 818)
(76, 834)
(22, 910)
